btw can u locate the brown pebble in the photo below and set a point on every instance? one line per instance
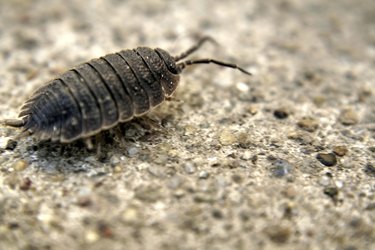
(290, 192)
(327, 159)
(308, 123)
(252, 110)
(340, 150)
(348, 117)
(26, 184)
(277, 233)
(244, 140)
(84, 202)
(105, 230)
(20, 165)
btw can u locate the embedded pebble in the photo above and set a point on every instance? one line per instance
(25, 184)
(370, 169)
(227, 137)
(340, 150)
(331, 192)
(327, 159)
(11, 144)
(252, 110)
(278, 234)
(203, 175)
(20, 165)
(91, 236)
(348, 117)
(131, 215)
(114, 160)
(243, 87)
(189, 167)
(280, 114)
(148, 193)
(132, 151)
(281, 167)
(244, 140)
(308, 123)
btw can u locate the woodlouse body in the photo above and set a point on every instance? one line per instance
(99, 94)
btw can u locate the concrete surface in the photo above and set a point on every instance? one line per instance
(284, 159)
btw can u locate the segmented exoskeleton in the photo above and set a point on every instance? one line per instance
(99, 94)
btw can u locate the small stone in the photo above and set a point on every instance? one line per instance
(308, 123)
(84, 201)
(148, 193)
(132, 151)
(252, 110)
(243, 87)
(117, 169)
(244, 140)
(348, 117)
(327, 159)
(370, 169)
(227, 137)
(26, 184)
(281, 167)
(290, 192)
(20, 165)
(203, 175)
(237, 178)
(114, 160)
(189, 167)
(340, 150)
(130, 215)
(278, 234)
(217, 214)
(370, 206)
(319, 100)
(105, 230)
(11, 144)
(331, 192)
(325, 181)
(301, 137)
(91, 236)
(280, 114)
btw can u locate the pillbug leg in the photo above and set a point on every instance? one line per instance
(173, 99)
(88, 143)
(61, 150)
(100, 155)
(182, 65)
(195, 48)
(17, 123)
(118, 133)
(23, 134)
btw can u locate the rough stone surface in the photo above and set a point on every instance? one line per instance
(204, 176)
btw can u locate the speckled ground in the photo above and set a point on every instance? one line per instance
(283, 159)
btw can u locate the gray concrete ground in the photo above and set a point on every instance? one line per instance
(283, 159)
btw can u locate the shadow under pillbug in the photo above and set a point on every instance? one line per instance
(99, 94)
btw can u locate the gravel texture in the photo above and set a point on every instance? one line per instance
(235, 162)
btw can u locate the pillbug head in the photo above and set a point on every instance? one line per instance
(169, 79)
(169, 61)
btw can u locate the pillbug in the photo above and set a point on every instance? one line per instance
(99, 94)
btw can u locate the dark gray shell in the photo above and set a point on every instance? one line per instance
(101, 93)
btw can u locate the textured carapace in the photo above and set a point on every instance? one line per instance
(103, 92)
